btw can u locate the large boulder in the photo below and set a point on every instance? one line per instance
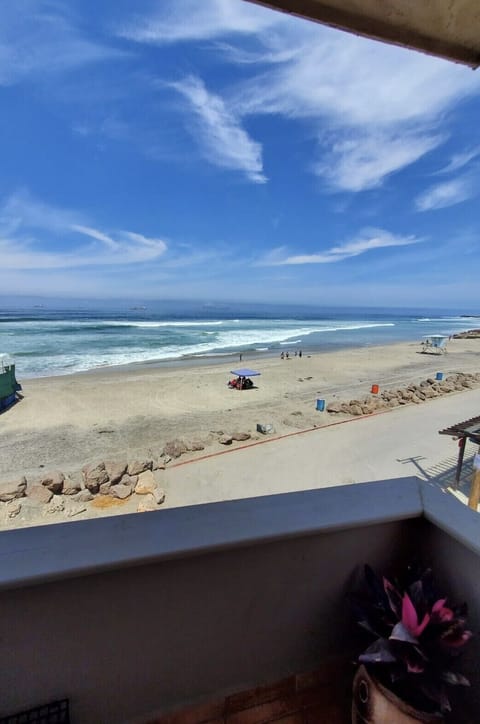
(241, 436)
(394, 402)
(195, 446)
(225, 439)
(94, 475)
(13, 489)
(115, 470)
(53, 481)
(334, 407)
(40, 494)
(138, 466)
(120, 491)
(447, 387)
(84, 496)
(355, 409)
(159, 496)
(146, 483)
(71, 486)
(147, 504)
(174, 448)
(265, 428)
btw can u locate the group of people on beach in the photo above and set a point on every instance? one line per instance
(286, 355)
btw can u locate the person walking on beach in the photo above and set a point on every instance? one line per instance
(241, 355)
(282, 356)
(300, 353)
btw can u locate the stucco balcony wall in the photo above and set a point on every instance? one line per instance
(135, 615)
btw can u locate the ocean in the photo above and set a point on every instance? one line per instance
(47, 341)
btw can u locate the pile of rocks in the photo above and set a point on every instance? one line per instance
(176, 448)
(56, 492)
(110, 478)
(412, 394)
(469, 334)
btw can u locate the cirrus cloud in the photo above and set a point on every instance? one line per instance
(222, 139)
(25, 245)
(367, 240)
(446, 194)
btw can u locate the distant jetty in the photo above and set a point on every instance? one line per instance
(469, 334)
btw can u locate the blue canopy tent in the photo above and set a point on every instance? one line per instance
(243, 381)
(245, 372)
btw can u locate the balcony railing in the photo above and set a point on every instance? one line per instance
(133, 616)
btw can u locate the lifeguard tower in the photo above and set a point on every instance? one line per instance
(435, 344)
(8, 383)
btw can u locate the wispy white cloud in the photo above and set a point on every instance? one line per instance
(38, 38)
(223, 140)
(24, 244)
(22, 210)
(373, 109)
(460, 160)
(187, 20)
(382, 107)
(368, 240)
(363, 162)
(445, 194)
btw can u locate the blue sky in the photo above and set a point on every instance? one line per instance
(217, 150)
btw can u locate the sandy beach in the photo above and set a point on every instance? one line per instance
(65, 422)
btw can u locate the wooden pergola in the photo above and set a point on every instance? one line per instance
(466, 430)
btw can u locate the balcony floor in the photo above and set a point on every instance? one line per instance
(320, 696)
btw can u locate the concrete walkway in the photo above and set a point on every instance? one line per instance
(404, 441)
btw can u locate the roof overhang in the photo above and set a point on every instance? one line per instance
(449, 30)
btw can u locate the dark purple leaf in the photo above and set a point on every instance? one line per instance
(394, 597)
(436, 693)
(378, 653)
(450, 677)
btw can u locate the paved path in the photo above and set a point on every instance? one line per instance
(404, 441)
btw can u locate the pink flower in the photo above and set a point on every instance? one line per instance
(440, 612)
(410, 618)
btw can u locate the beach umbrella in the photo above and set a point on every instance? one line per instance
(245, 372)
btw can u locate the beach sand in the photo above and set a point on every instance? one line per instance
(65, 422)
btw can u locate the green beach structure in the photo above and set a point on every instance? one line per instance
(8, 383)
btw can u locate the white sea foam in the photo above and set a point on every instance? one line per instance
(457, 320)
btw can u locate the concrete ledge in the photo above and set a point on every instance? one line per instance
(67, 550)
(450, 515)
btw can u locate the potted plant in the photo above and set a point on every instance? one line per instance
(405, 672)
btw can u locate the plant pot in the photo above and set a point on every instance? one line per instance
(374, 704)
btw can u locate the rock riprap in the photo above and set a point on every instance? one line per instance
(411, 394)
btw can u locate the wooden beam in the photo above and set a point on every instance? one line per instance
(474, 498)
(338, 15)
(461, 453)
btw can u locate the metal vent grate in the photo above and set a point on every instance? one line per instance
(57, 712)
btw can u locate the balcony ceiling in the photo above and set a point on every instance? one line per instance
(446, 28)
